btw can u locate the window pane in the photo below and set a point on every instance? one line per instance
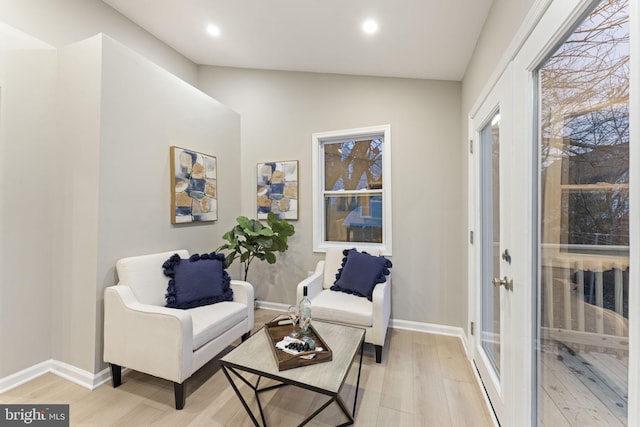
(596, 217)
(354, 218)
(353, 165)
(594, 165)
(596, 145)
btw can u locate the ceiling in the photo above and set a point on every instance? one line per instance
(430, 39)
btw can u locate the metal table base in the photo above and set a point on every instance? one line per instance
(333, 397)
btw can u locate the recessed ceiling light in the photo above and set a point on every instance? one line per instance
(213, 30)
(370, 26)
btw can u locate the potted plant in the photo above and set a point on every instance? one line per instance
(250, 239)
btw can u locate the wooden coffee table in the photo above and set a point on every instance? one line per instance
(254, 356)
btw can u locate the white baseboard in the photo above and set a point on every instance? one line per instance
(62, 369)
(81, 377)
(408, 325)
(430, 328)
(276, 306)
(21, 377)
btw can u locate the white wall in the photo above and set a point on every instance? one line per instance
(502, 24)
(280, 111)
(120, 114)
(62, 22)
(27, 111)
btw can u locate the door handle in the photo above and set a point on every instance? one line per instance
(506, 282)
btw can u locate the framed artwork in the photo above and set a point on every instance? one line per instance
(278, 189)
(194, 186)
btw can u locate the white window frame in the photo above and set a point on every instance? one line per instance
(318, 140)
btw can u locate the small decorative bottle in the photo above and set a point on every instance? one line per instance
(305, 312)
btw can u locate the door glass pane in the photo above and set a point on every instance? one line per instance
(490, 146)
(583, 320)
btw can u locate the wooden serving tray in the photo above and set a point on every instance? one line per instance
(284, 360)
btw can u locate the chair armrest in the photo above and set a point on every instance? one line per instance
(243, 293)
(313, 283)
(382, 293)
(381, 299)
(152, 339)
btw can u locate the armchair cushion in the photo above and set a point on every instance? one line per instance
(342, 308)
(360, 273)
(209, 324)
(197, 281)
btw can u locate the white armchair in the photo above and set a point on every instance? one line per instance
(340, 307)
(140, 333)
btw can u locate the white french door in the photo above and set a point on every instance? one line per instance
(493, 252)
(574, 73)
(559, 344)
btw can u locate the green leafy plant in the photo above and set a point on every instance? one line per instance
(251, 239)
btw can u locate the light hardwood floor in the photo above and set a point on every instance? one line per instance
(423, 380)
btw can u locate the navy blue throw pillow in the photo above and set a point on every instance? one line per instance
(360, 273)
(197, 281)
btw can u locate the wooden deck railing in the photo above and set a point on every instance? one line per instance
(584, 299)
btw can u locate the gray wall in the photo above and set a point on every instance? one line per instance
(85, 173)
(120, 115)
(52, 307)
(145, 110)
(27, 117)
(280, 111)
(76, 203)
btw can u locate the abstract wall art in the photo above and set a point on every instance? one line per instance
(278, 189)
(194, 186)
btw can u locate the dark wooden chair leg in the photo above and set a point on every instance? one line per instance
(378, 354)
(246, 336)
(116, 375)
(179, 391)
